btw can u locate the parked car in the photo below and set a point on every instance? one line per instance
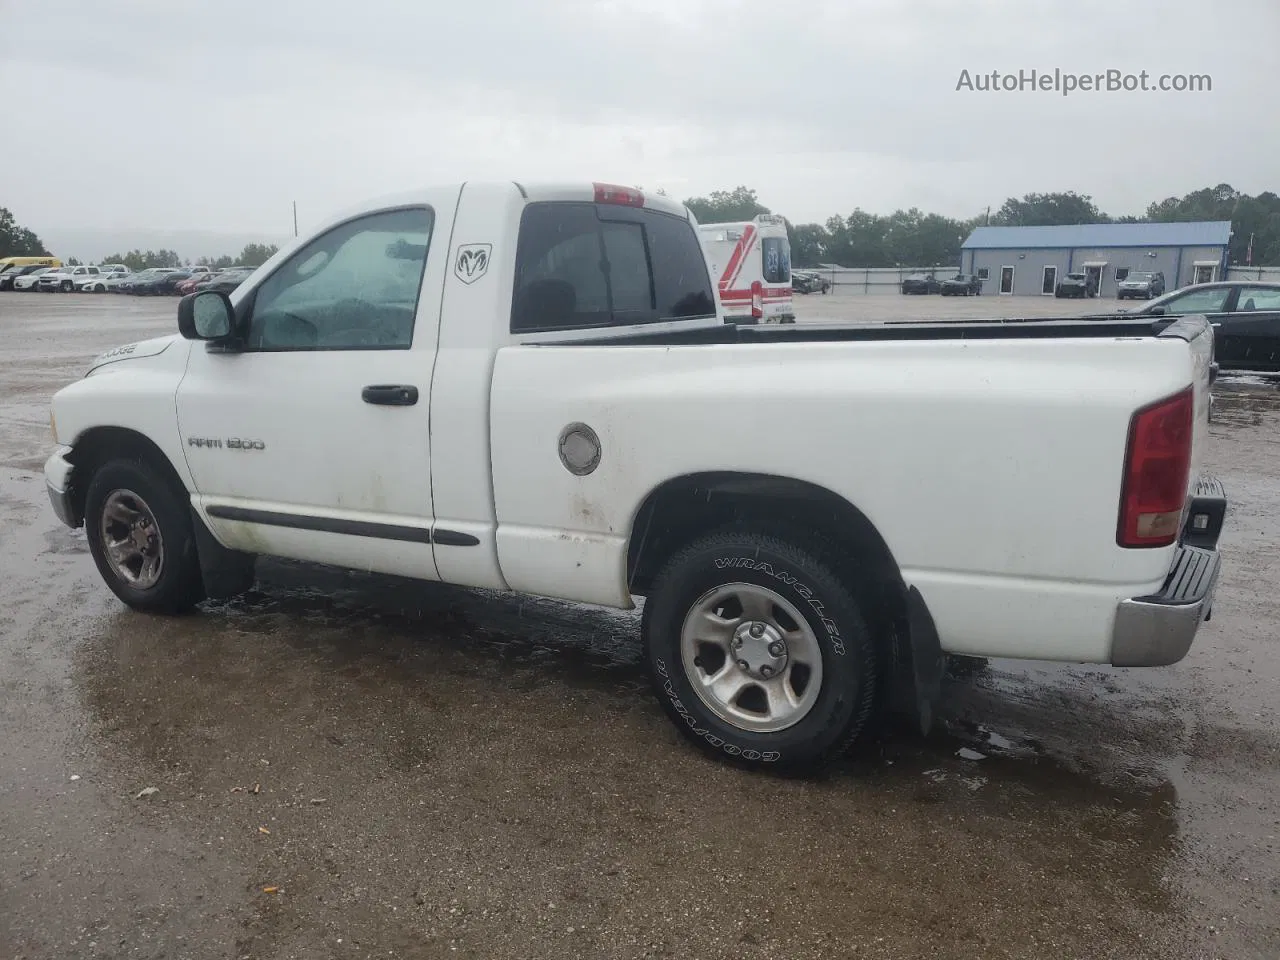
(961, 285)
(1245, 315)
(1144, 286)
(227, 280)
(28, 281)
(15, 271)
(921, 283)
(113, 283)
(168, 283)
(65, 278)
(579, 450)
(164, 280)
(1076, 285)
(97, 283)
(803, 281)
(143, 277)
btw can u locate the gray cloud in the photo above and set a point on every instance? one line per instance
(155, 116)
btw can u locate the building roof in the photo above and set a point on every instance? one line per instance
(1201, 233)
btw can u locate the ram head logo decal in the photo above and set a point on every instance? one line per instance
(472, 261)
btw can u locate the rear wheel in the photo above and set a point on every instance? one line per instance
(141, 536)
(758, 651)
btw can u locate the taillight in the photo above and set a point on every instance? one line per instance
(757, 299)
(623, 196)
(1156, 471)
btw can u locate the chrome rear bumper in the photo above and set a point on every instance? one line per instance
(1158, 630)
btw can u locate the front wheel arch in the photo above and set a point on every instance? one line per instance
(98, 445)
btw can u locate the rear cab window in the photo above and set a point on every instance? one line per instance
(588, 265)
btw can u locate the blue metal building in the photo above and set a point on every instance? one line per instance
(1031, 260)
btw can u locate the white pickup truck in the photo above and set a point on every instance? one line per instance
(531, 388)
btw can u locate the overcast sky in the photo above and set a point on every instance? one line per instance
(216, 115)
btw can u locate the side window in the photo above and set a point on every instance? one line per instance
(353, 288)
(776, 254)
(1198, 301)
(578, 267)
(1258, 298)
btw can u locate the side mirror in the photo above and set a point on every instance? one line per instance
(1156, 312)
(207, 315)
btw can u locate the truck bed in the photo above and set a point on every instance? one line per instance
(1029, 328)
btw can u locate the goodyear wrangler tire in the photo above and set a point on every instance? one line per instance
(759, 653)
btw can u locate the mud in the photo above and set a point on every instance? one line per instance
(356, 766)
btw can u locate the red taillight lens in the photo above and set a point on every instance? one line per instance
(623, 196)
(1156, 471)
(757, 299)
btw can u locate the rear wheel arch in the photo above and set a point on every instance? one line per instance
(685, 509)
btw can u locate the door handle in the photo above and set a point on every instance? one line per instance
(390, 395)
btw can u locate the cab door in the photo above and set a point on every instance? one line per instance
(310, 436)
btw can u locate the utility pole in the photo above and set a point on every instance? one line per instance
(295, 218)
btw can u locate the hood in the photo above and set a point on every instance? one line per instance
(133, 351)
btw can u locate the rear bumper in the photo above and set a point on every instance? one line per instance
(1158, 630)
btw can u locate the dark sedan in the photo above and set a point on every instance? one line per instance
(962, 285)
(227, 280)
(1245, 315)
(921, 283)
(164, 284)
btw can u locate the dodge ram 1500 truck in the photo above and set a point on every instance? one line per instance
(532, 388)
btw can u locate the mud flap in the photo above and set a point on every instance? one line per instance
(919, 667)
(226, 573)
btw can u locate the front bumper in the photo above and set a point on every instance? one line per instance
(58, 473)
(1158, 630)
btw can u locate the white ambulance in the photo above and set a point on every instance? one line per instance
(751, 263)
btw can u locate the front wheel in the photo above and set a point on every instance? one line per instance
(67, 286)
(759, 652)
(141, 536)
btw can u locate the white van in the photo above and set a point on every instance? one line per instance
(751, 261)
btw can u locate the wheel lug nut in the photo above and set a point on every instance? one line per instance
(775, 649)
(742, 665)
(737, 642)
(757, 629)
(766, 672)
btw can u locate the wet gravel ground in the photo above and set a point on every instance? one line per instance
(354, 767)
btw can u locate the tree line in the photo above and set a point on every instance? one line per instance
(912, 238)
(19, 241)
(908, 238)
(253, 255)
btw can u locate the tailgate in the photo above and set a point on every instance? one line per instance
(1198, 334)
